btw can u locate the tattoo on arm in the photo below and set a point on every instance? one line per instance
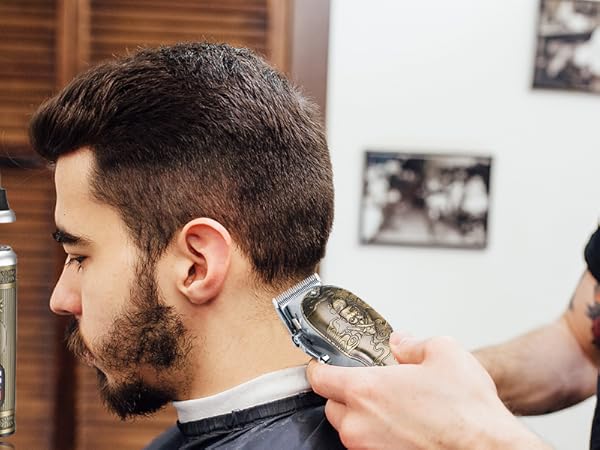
(593, 313)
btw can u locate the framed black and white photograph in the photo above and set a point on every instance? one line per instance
(425, 199)
(568, 45)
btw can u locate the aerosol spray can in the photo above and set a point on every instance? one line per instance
(8, 325)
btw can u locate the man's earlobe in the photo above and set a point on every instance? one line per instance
(205, 246)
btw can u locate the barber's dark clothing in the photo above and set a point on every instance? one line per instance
(293, 423)
(595, 438)
(592, 258)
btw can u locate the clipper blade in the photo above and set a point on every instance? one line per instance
(284, 298)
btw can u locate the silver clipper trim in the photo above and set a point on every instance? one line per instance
(288, 307)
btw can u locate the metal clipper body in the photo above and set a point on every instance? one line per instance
(8, 338)
(334, 326)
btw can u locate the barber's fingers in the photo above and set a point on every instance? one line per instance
(406, 349)
(436, 350)
(335, 413)
(330, 381)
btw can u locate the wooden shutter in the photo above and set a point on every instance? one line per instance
(27, 66)
(117, 26)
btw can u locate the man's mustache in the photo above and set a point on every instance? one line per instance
(75, 341)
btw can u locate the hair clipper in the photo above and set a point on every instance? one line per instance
(334, 326)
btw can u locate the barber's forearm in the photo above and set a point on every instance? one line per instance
(541, 371)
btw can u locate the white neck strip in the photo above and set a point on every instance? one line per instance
(264, 389)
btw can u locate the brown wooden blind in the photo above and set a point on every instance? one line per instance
(118, 26)
(30, 192)
(27, 65)
(27, 77)
(121, 25)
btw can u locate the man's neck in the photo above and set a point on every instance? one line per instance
(240, 340)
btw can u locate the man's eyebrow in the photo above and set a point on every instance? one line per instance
(64, 237)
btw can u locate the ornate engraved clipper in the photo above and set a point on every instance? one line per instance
(334, 326)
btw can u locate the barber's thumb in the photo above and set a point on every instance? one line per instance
(407, 349)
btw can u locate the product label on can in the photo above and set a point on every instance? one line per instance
(8, 275)
(7, 422)
(2, 385)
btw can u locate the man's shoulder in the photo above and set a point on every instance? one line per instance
(168, 440)
(296, 423)
(305, 429)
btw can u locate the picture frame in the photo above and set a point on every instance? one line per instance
(425, 199)
(568, 46)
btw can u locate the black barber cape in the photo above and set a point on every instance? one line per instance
(292, 423)
(595, 438)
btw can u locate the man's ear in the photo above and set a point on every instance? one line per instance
(204, 246)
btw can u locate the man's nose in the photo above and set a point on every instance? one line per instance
(66, 297)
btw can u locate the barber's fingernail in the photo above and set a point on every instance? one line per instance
(397, 337)
(312, 365)
(311, 369)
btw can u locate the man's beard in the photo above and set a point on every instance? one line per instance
(148, 336)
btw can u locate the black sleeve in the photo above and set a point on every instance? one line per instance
(592, 254)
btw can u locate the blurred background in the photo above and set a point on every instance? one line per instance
(449, 77)
(437, 77)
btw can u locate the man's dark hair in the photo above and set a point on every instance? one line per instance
(201, 130)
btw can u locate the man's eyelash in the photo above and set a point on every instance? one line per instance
(75, 259)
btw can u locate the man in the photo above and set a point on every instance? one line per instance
(193, 185)
(442, 398)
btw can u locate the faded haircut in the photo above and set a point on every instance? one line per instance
(201, 130)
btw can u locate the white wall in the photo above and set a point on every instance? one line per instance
(446, 76)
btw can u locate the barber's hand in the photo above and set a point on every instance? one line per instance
(439, 397)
